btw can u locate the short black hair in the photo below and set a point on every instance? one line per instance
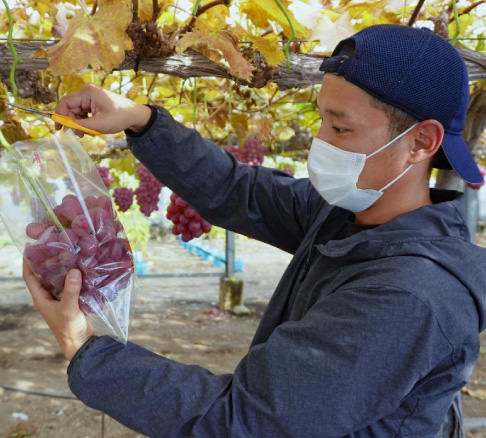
(399, 120)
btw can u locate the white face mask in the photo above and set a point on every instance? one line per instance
(334, 173)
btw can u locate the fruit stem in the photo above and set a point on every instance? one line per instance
(292, 29)
(15, 56)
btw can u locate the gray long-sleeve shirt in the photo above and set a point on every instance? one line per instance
(366, 336)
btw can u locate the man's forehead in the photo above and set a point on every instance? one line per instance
(342, 99)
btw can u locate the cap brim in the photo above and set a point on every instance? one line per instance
(460, 158)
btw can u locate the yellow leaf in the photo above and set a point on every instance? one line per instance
(239, 122)
(70, 83)
(213, 19)
(43, 6)
(269, 47)
(93, 144)
(141, 98)
(126, 163)
(373, 13)
(222, 41)
(261, 11)
(38, 131)
(98, 41)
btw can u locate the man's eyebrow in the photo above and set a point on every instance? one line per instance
(337, 113)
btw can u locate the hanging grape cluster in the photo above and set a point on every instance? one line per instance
(105, 175)
(252, 152)
(147, 193)
(186, 220)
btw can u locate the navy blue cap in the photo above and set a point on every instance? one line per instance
(416, 71)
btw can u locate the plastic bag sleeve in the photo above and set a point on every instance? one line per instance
(262, 203)
(350, 362)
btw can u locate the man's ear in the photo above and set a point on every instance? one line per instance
(428, 136)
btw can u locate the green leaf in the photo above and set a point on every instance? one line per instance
(480, 46)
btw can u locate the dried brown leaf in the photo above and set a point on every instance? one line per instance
(98, 41)
(211, 43)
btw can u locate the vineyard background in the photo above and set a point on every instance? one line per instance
(233, 70)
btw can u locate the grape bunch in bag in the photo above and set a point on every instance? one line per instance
(90, 242)
(186, 220)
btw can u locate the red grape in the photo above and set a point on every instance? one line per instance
(71, 207)
(34, 230)
(81, 226)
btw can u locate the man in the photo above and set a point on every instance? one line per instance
(374, 325)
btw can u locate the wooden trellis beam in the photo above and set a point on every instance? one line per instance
(304, 69)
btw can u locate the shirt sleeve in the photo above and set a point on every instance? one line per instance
(349, 362)
(262, 203)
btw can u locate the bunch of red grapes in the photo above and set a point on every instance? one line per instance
(147, 193)
(148, 190)
(186, 220)
(89, 243)
(123, 198)
(252, 152)
(105, 175)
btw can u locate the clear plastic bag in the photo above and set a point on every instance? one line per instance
(60, 216)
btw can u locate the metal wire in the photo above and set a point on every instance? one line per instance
(41, 393)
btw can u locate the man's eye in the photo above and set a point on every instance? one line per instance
(339, 130)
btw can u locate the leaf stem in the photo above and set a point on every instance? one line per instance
(456, 19)
(195, 8)
(292, 38)
(15, 56)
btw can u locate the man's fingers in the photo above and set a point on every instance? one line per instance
(38, 293)
(70, 293)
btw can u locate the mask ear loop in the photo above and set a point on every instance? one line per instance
(394, 140)
(396, 179)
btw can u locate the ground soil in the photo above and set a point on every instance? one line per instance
(173, 316)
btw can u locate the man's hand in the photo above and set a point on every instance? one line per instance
(66, 321)
(103, 111)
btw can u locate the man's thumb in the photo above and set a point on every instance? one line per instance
(72, 287)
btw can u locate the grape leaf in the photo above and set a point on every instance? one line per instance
(261, 11)
(43, 6)
(93, 144)
(264, 129)
(99, 40)
(269, 47)
(213, 19)
(209, 43)
(373, 13)
(239, 123)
